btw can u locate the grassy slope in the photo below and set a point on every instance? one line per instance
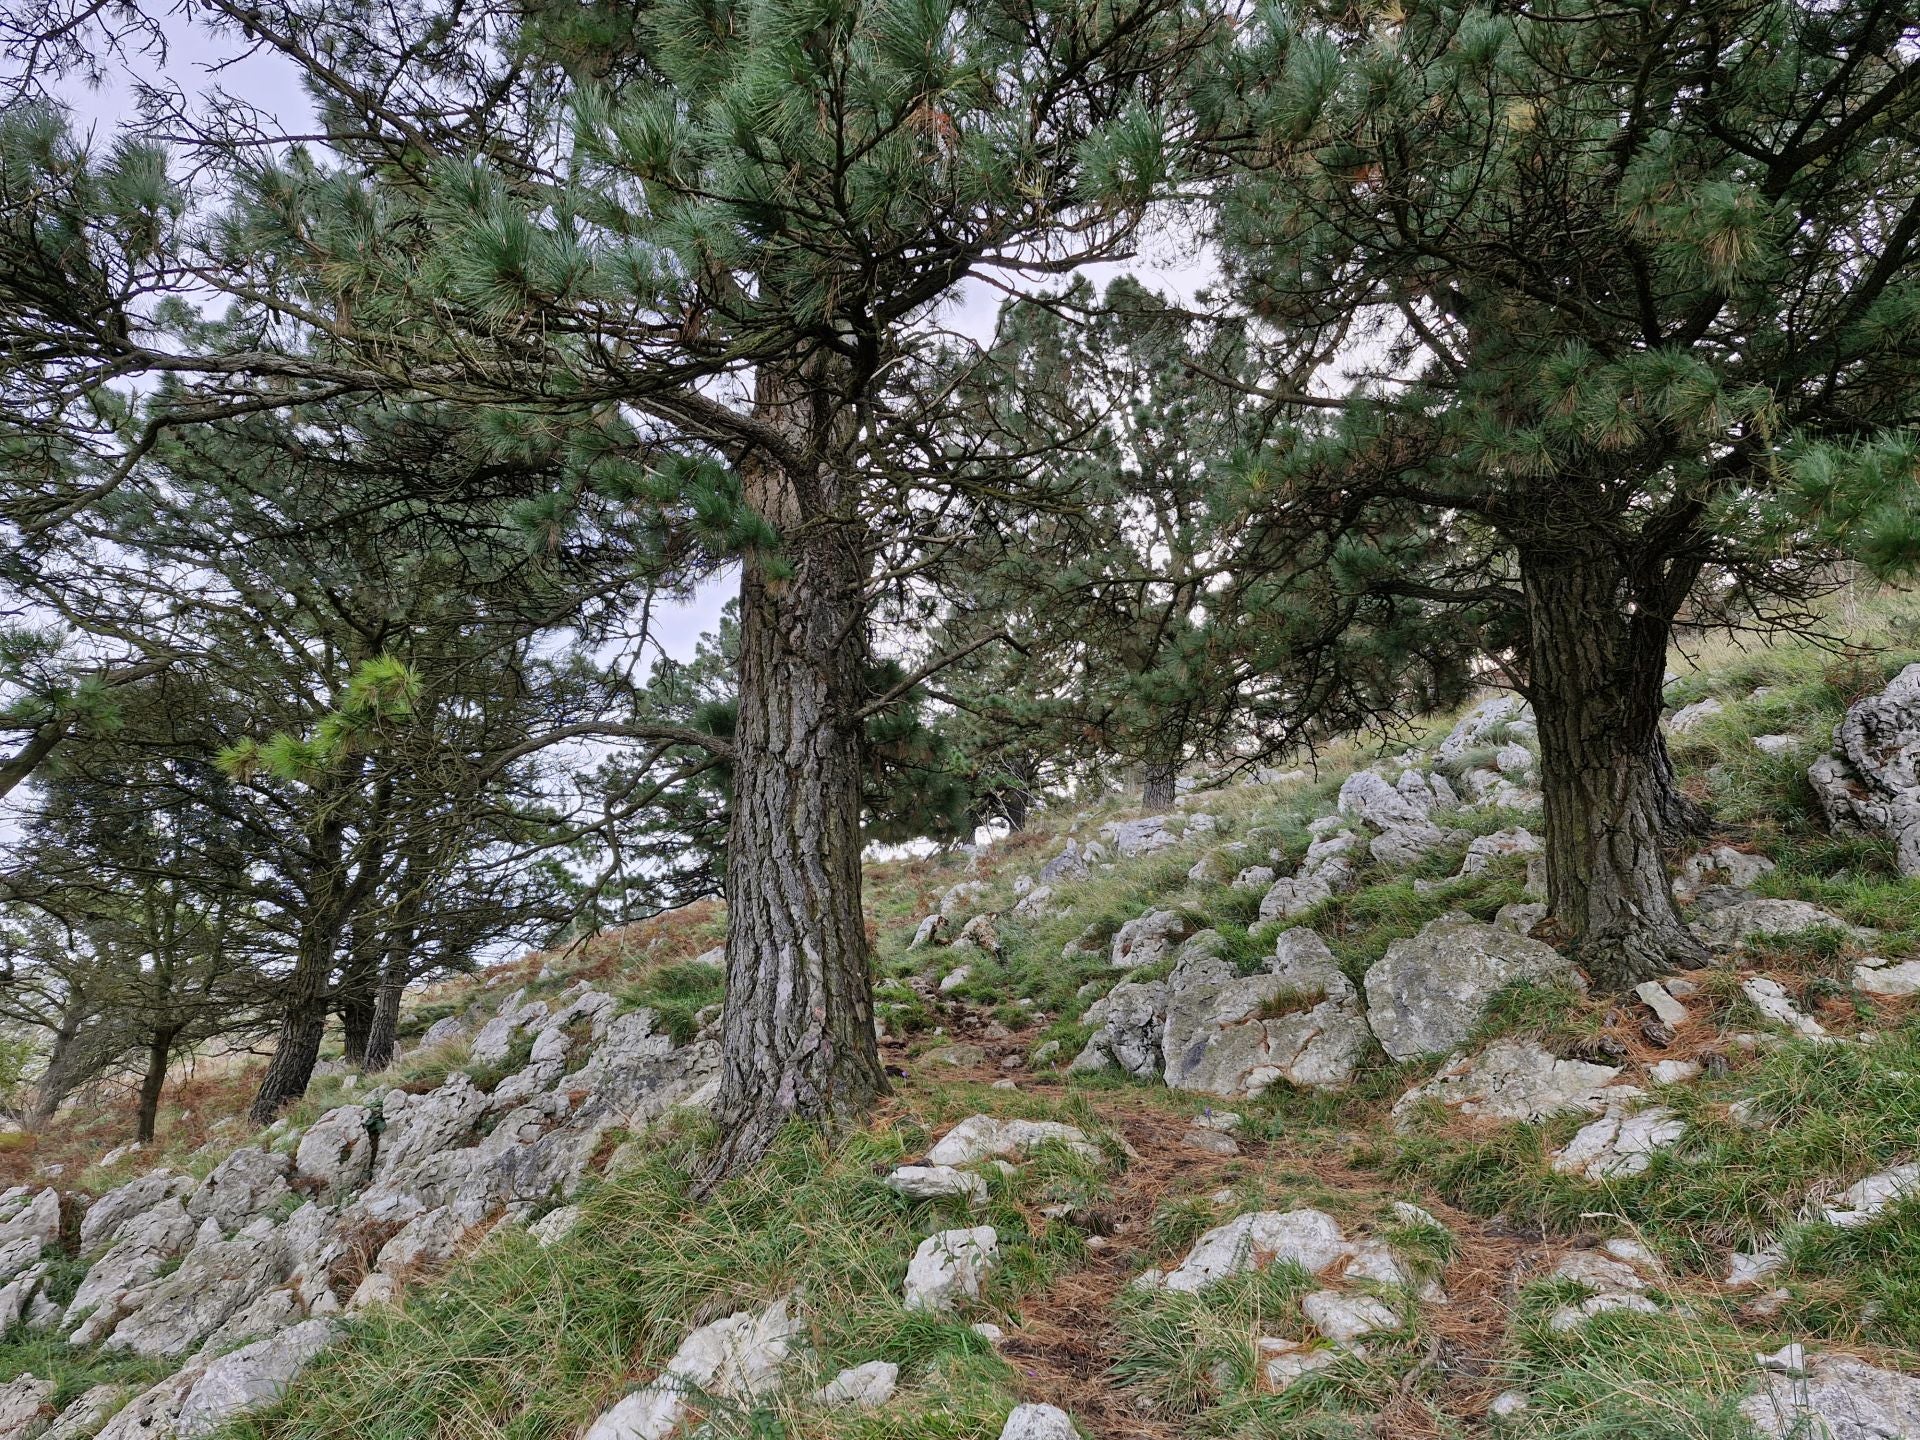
(530, 1343)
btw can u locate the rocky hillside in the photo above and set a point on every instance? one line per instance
(1280, 1115)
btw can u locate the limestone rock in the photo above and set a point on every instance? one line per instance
(1308, 1238)
(1299, 1023)
(1429, 992)
(983, 1137)
(1720, 865)
(1289, 897)
(1130, 1019)
(1140, 837)
(1347, 1319)
(738, 1358)
(142, 1247)
(1149, 939)
(1887, 978)
(112, 1211)
(1283, 1361)
(251, 1377)
(860, 1387)
(1728, 926)
(1687, 717)
(1477, 727)
(1839, 1398)
(1619, 1144)
(25, 1403)
(1069, 864)
(1367, 797)
(215, 1281)
(554, 1226)
(1863, 1200)
(1517, 1080)
(336, 1153)
(83, 1419)
(1770, 998)
(950, 1267)
(937, 1182)
(1871, 781)
(240, 1187)
(1038, 1422)
(932, 931)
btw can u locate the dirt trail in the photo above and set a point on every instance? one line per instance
(1067, 1341)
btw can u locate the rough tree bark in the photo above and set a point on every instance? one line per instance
(798, 1037)
(1597, 662)
(1157, 794)
(154, 1081)
(384, 1034)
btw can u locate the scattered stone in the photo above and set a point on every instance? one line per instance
(1038, 1422)
(1746, 1268)
(1427, 994)
(932, 931)
(958, 897)
(1656, 998)
(1517, 1080)
(1789, 1359)
(949, 1267)
(1730, 925)
(1886, 978)
(1507, 1404)
(1347, 1319)
(1284, 1361)
(1674, 1072)
(861, 1387)
(1475, 729)
(1770, 998)
(937, 1182)
(983, 1137)
(251, 1377)
(1130, 1021)
(1069, 864)
(954, 979)
(1367, 797)
(738, 1358)
(554, 1226)
(1777, 744)
(1140, 837)
(1689, 716)
(1308, 1238)
(1572, 1317)
(1211, 1142)
(1863, 1200)
(1255, 877)
(1521, 917)
(25, 1403)
(963, 1056)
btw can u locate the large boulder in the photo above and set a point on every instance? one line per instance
(108, 1215)
(1429, 992)
(1871, 781)
(26, 1404)
(1298, 1023)
(1130, 1020)
(1728, 926)
(1369, 798)
(142, 1247)
(1140, 837)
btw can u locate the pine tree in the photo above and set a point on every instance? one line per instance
(732, 221)
(1632, 297)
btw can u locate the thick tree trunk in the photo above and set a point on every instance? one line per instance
(68, 1064)
(798, 1037)
(153, 1082)
(1156, 796)
(1597, 660)
(385, 1031)
(303, 1020)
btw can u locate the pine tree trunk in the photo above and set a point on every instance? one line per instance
(356, 1025)
(798, 1038)
(66, 1065)
(1156, 796)
(1597, 661)
(385, 1032)
(153, 1082)
(304, 1002)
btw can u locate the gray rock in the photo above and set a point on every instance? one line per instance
(1290, 897)
(1069, 864)
(738, 1359)
(1871, 782)
(1484, 850)
(246, 1183)
(251, 1377)
(1369, 798)
(1839, 1398)
(950, 1267)
(335, 1156)
(1476, 728)
(937, 1182)
(112, 1211)
(447, 1028)
(860, 1387)
(1299, 1023)
(1406, 845)
(1308, 1238)
(1887, 978)
(1140, 837)
(984, 1137)
(932, 931)
(1728, 926)
(1347, 1319)
(215, 1281)
(1517, 1080)
(25, 1404)
(1038, 1422)
(1619, 1144)
(1689, 716)
(1131, 1020)
(1429, 992)
(142, 1247)
(84, 1418)
(1149, 939)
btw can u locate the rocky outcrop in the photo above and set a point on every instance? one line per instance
(1478, 727)
(1517, 1080)
(736, 1359)
(1149, 939)
(1870, 783)
(1836, 1396)
(1299, 1023)
(1427, 994)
